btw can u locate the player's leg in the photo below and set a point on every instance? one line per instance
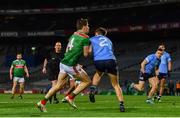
(21, 89)
(85, 81)
(153, 84)
(139, 86)
(157, 88)
(161, 90)
(54, 82)
(60, 83)
(14, 87)
(72, 88)
(95, 81)
(115, 83)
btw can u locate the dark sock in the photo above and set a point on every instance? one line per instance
(159, 97)
(93, 89)
(121, 103)
(55, 96)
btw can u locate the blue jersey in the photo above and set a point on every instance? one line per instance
(163, 67)
(102, 48)
(152, 63)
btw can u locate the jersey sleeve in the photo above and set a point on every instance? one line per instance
(12, 64)
(148, 58)
(24, 63)
(168, 58)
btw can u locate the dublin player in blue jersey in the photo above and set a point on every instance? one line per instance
(165, 68)
(105, 62)
(148, 71)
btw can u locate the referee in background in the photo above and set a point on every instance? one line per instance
(51, 67)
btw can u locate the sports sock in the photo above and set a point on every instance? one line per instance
(72, 96)
(121, 103)
(55, 96)
(44, 101)
(93, 89)
(159, 97)
(149, 98)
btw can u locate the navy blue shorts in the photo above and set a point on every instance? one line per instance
(162, 75)
(145, 76)
(108, 66)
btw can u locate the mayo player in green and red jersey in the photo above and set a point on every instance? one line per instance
(17, 72)
(78, 46)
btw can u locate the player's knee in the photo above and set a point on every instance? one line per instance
(89, 81)
(141, 88)
(162, 87)
(21, 87)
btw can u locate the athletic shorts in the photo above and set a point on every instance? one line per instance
(145, 76)
(108, 66)
(52, 74)
(19, 79)
(71, 70)
(162, 75)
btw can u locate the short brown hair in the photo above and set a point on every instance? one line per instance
(162, 46)
(101, 31)
(80, 23)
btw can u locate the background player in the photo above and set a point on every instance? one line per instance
(51, 66)
(148, 70)
(17, 72)
(105, 62)
(165, 68)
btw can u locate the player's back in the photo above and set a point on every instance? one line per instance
(74, 48)
(152, 62)
(102, 48)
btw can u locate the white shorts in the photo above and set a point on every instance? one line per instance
(71, 70)
(74, 79)
(18, 79)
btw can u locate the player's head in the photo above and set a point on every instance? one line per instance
(19, 56)
(162, 46)
(57, 46)
(82, 24)
(159, 52)
(101, 31)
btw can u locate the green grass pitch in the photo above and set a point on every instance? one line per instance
(105, 106)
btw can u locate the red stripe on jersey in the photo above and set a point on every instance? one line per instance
(19, 66)
(81, 34)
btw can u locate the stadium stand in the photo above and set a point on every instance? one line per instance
(130, 46)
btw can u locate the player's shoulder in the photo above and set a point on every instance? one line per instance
(81, 34)
(151, 55)
(99, 37)
(166, 53)
(92, 38)
(15, 61)
(22, 60)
